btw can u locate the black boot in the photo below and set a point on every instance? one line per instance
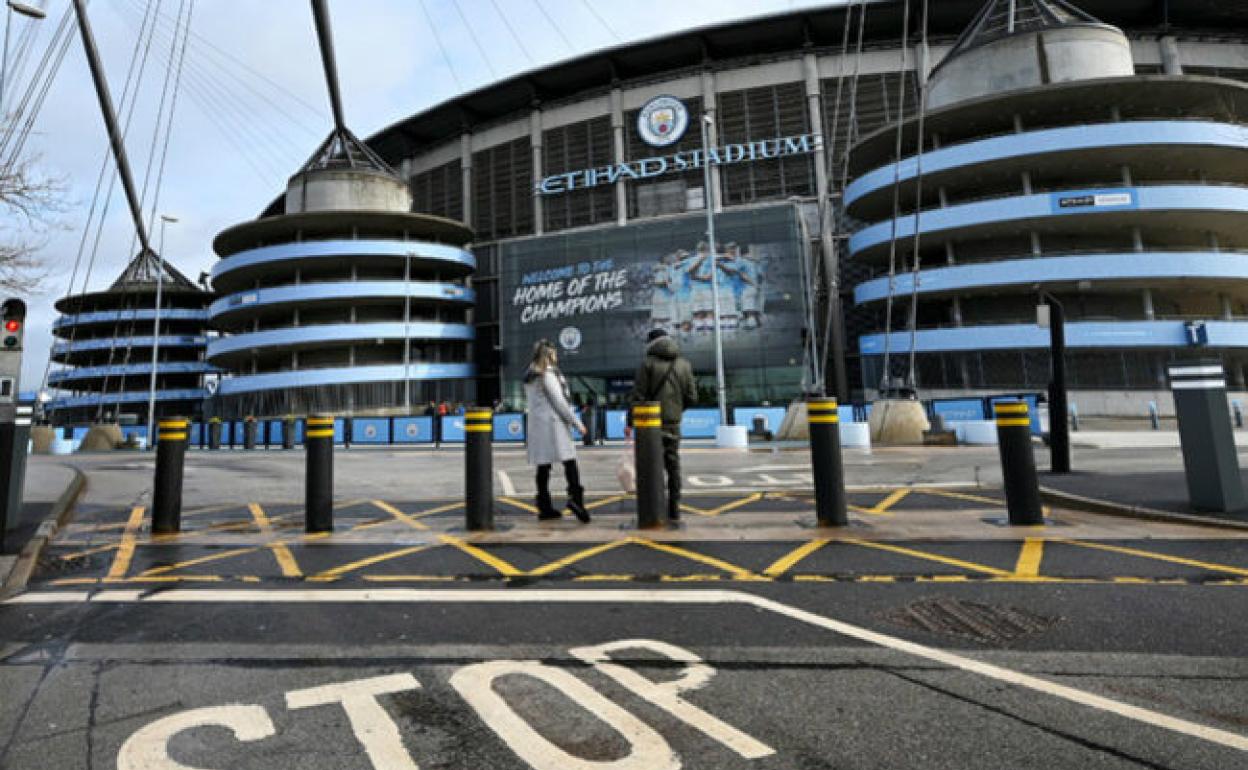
(576, 504)
(545, 508)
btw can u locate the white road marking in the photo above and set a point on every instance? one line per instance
(373, 727)
(647, 750)
(148, 747)
(504, 479)
(666, 695)
(646, 596)
(712, 480)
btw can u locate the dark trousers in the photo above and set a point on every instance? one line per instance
(671, 464)
(570, 472)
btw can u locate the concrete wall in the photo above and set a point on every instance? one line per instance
(347, 190)
(1025, 61)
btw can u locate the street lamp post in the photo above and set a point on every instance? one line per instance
(709, 203)
(30, 12)
(160, 281)
(1059, 428)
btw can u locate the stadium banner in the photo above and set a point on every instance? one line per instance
(597, 293)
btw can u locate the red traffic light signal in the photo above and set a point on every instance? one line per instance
(13, 311)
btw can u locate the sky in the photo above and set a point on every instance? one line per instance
(252, 105)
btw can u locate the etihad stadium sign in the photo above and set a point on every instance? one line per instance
(677, 162)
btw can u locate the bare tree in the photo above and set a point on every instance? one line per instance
(29, 205)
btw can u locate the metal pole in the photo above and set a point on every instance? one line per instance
(1018, 465)
(709, 202)
(1059, 428)
(479, 469)
(167, 486)
(4, 63)
(648, 460)
(407, 339)
(320, 13)
(318, 443)
(831, 509)
(160, 280)
(110, 121)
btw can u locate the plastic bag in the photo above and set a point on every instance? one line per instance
(626, 471)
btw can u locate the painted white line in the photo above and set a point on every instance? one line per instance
(504, 479)
(643, 596)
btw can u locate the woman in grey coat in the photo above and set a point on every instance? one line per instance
(549, 431)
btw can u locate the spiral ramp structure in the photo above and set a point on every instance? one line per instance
(347, 302)
(104, 342)
(1124, 196)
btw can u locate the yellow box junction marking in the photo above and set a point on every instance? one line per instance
(1205, 565)
(790, 559)
(167, 568)
(399, 515)
(753, 498)
(483, 556)
(739, 573)
(894, 497)
(125, 550)
(339, 571)
(285, 559)
(967, 565)
(1029, 557)
(571, 559)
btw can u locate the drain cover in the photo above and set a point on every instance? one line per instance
(982, 623)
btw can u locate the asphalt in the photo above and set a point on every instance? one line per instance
(1161, 490)
(926, 634)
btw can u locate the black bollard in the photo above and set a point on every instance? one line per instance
(479, 469)
(167, 486)
(648, 458)
(214, 433)
(318, 441)
(1018, 464)
(825, 458)
(288, 433)
(249, 433)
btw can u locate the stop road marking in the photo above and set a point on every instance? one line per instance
(380, 738)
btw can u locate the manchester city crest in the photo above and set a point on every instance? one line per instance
(662, 121)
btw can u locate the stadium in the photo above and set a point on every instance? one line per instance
(895, 187)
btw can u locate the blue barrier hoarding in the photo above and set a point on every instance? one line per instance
(453, 428)
(413, 430)
(508, 427)
(959, 409)
(616, 420)
(197, 432)
(772, 416)
(370, 430)
(697, 423)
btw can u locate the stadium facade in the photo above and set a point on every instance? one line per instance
(105, 342)
(551, 169)
(1093, 151)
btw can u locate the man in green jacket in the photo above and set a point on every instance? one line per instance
(666, 376)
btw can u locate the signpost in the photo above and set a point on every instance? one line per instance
(14, 419)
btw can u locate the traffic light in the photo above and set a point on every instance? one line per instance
(13, 313)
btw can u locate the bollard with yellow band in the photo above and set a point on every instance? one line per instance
(1018, 463)
(214, 433)
(250, 430)
(648, 458)
(479, 469)
(318, 442)
(823, 417)
(167, 486)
